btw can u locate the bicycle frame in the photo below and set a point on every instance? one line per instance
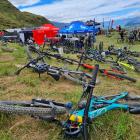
(104, 71)
(131, 67)
(92, 108)
(104, 106)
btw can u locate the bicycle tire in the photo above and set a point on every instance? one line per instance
(36, 111)
(121, 76)
(22, 103)
(32, 53)
(28, 52)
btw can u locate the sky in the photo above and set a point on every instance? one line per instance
(72, 10)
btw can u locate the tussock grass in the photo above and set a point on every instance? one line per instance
(29, 81)
(7, 69)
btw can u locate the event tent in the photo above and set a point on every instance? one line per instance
(46, 31)
(77, 27)
(50, 30)
(39, 36)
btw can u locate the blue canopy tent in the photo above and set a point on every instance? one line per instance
(93, 29)
(64, 31)
(77, 27)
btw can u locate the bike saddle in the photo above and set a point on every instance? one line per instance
(55, 76)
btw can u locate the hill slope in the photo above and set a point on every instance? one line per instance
(11, 17)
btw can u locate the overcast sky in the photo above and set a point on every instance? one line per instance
(71, 10)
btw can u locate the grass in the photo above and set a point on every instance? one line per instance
(6, 136)
(7, 69)
(114, 125)
(29, 81)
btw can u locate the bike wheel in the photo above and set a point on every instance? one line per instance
(22, 103)
(36, 111)
(121, 76)
(32, 52)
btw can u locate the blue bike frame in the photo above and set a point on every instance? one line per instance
(106, 105)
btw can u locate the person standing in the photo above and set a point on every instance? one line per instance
(122, 35)
(86, 43)
(119, 28)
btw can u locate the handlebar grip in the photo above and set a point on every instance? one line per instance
(135, 110)
(17, 72)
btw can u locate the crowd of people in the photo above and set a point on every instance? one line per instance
(131, 35)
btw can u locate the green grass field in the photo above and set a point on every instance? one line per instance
(115, 125)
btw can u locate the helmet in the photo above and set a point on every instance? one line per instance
(41, 68)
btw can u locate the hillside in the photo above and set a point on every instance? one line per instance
(11, 17)
(60, 24)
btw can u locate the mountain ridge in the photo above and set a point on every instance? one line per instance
(11, 17)
(127, 22)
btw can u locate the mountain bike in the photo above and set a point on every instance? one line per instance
(133, 53)
(112, 73)
(88, 108)
(56, 72)
(91, 107)
(115, 74)
(131, 64)
(126, 50)
(95, 55)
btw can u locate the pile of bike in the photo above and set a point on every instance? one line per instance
(89, 106)
(118, 67)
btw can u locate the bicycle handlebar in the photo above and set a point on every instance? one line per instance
(90, 92)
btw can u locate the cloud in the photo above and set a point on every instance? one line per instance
(135, 13)
(18, 3)
(70, 10)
